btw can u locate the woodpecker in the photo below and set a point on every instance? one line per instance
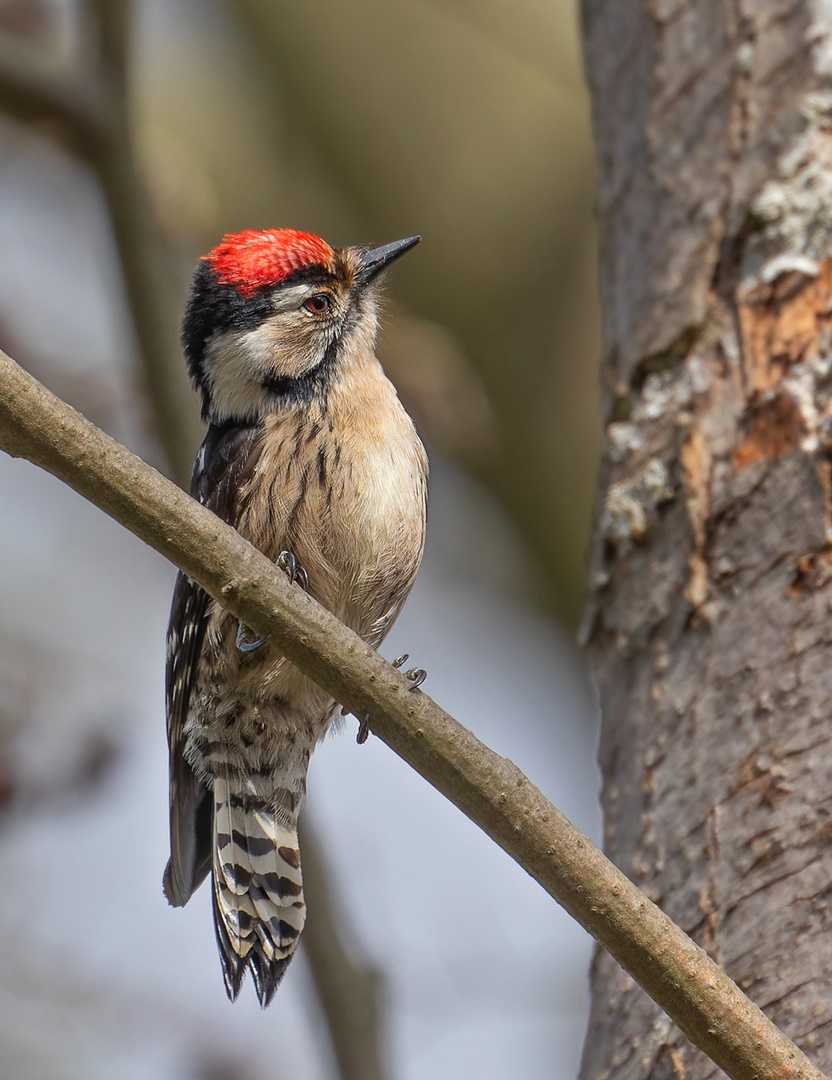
(310, 455)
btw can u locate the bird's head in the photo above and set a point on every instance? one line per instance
(271, 314)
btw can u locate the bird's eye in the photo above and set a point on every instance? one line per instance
(318, 304)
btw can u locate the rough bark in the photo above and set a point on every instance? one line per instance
(710, 594)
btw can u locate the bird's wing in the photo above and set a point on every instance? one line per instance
(225, 462)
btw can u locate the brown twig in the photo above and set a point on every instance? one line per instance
(705, 1003)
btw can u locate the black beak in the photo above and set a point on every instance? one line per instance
(373, 262)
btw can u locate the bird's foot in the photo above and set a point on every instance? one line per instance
(287, 562)
(296, 574)
(247, 646)
(416, 676)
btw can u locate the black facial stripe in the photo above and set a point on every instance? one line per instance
(212, 308)
(314, 383)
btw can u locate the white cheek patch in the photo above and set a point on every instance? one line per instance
(237, 366)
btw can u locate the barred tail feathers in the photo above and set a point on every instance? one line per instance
(259, 910)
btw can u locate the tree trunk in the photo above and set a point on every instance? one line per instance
(712, 572)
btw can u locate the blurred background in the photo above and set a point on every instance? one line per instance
(131, 138)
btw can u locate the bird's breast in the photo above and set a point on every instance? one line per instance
(344, 488)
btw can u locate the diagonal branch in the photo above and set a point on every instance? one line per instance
(710, 1009)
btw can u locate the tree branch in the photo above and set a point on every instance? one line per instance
(711, 1010)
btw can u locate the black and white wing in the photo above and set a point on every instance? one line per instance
(225, 461)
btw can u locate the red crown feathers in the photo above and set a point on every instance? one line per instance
(253, 259)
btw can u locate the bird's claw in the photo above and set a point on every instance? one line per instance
(247, 646)
(416, 675)
(297, 575)
(287, 562)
